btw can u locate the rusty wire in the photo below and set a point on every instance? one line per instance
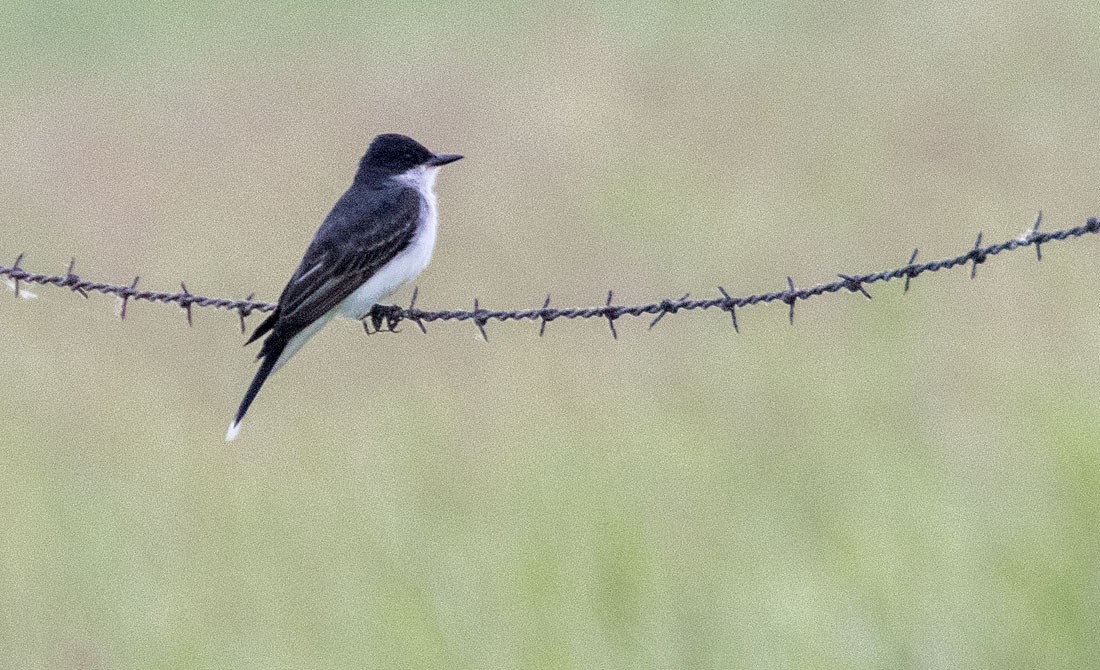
(386, 318)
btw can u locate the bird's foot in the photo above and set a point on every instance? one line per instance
(383, 318)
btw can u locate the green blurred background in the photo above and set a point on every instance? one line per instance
(906, 482)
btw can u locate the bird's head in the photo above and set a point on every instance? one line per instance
(392, 155)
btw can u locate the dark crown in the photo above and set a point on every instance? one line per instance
(395, 153)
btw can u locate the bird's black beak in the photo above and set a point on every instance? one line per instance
(443, 159)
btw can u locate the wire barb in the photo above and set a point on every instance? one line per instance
(668, 307)
(608, 312)
(730, 305)
(1034, 232)
(909, 272)
(185, 303)
(392, 315)
(977, 255)
(71, 280)
(412, 310)
(479, 320)
(789, 298)
(245, 311)
(854, 284)
(125, 297)
(545, 320)
(15, 278)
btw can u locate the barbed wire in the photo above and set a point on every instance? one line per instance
(386, 318)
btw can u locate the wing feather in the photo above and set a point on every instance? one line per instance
(352, 244)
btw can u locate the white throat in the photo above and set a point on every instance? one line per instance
(421, 178)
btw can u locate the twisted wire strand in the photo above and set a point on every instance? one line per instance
(388, 317)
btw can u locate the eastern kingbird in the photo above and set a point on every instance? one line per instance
(379, 235)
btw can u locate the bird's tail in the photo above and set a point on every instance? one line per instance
(276, 351)
(266, 368)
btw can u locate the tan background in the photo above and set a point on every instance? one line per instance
(907, 482)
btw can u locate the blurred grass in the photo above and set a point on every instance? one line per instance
(908, 482)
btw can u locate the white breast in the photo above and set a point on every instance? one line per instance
(408, 264)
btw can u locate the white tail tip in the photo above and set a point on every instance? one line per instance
(231, 434)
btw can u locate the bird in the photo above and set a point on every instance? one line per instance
(379, 236)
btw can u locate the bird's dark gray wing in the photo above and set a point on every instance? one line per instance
(353, 243)
(366, 229)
